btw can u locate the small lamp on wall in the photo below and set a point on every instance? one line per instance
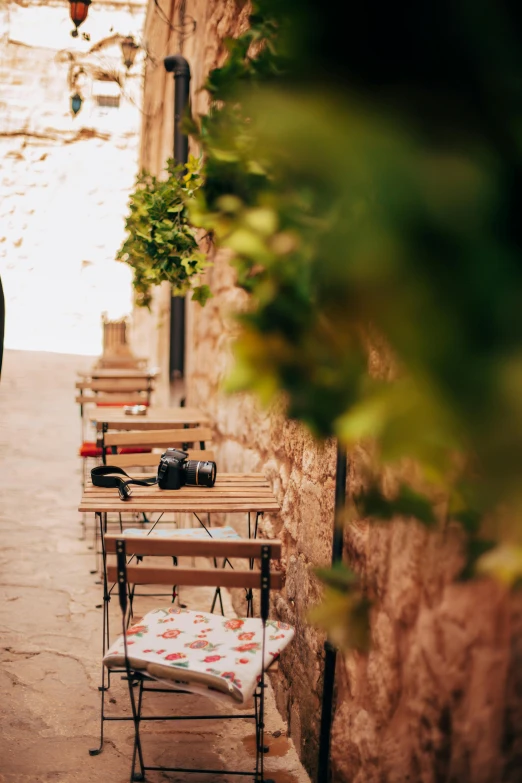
(129, 48)
(76, 103)
(78, 10)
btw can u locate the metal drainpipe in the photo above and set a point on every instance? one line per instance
(330, 652)
(178, 65)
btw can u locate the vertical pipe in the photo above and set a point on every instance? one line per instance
(178, 65)
(330, 653)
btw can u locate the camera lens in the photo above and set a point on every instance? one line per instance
(200, 474)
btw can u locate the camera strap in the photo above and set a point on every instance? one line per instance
(107, 476)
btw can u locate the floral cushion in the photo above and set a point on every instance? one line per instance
(201, 649)
(221, 533)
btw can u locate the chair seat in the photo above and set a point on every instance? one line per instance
(90, 449)
(201, 650)
(221, 533)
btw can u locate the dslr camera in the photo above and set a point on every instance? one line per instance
(175, 470)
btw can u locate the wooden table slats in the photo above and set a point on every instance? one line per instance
(231, 493)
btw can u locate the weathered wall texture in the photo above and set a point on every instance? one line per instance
(439, 697)
(64, 180)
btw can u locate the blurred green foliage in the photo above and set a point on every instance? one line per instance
(161, 243)
(368, 181)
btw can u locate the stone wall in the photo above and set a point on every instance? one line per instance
(302, 475)
(438, 698)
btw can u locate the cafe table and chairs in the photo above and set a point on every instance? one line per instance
(246, 494)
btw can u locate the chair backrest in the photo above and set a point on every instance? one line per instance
(114, 334)
(151, 459)
(158, 438)
(210, 576)
(126, 361)
(112, 400)
(116, 385)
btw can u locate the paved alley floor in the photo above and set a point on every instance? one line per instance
(50, 624)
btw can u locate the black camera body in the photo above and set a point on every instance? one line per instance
(175, 470)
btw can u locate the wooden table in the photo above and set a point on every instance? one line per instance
(232, 492)
(154, 419)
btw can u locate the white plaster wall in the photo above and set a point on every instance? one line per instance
(64, 180)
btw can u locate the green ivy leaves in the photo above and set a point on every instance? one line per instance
(161, 244)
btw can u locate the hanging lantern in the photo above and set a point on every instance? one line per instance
(78, 10)
(130, 49)
(76, 103)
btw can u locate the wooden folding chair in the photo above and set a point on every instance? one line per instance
(127, 449)
(116, 392)
(184, 438)
(184, 651)
(116, 349)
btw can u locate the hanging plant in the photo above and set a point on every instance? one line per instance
(161, 244)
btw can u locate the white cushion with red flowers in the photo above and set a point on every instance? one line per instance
(201, 649)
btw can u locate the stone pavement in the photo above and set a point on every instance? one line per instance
(50, 623)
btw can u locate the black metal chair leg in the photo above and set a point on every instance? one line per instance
(217, 595)
(95, 547)
(105, 645)
(262, 725)
(136, 714)
(131, 601)
(256, 711)
(102, 688)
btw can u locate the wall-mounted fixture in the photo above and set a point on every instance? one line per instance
(76, 103)
(78, 10)
(106, 92)
(129, 48)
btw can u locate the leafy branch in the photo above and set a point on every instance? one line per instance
(161, 244)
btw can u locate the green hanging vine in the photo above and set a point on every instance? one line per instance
(161, 244)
